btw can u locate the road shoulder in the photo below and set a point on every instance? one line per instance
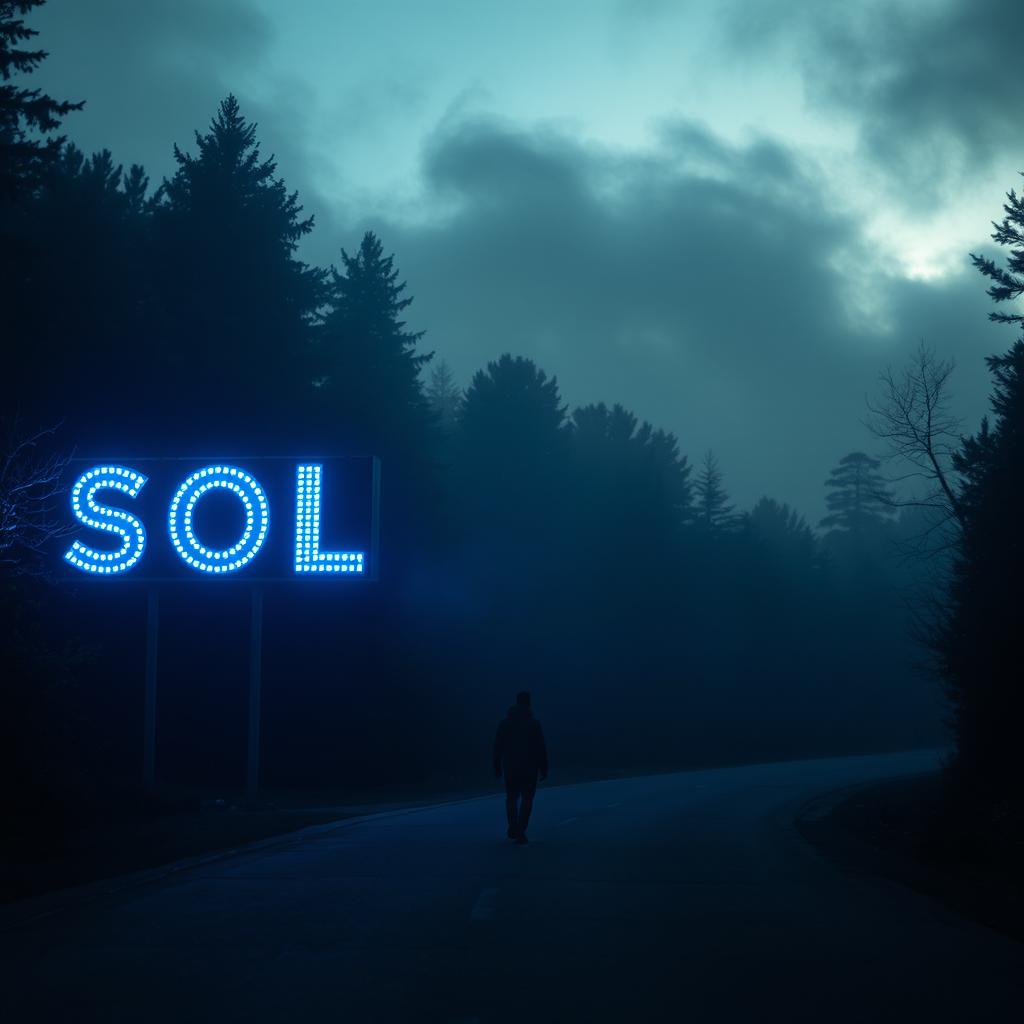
(886, 829)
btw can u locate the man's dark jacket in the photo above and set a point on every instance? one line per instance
(519, 746)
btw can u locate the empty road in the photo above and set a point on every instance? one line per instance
(684, 897)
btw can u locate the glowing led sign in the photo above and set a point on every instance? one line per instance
(219, 521)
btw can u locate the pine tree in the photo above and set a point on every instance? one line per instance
(369, 363)
(1008, 282)
(444, 395)
(713, 511)
(238, 303)
(24, 113)
(859, 499)
(78, 298)
(629, 490)
(784, 532)
(369, 396)
(512, 446)
(630, 472)
(977, 641)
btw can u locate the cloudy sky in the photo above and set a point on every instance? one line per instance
(728, 215)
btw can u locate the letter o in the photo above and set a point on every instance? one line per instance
(257, 519)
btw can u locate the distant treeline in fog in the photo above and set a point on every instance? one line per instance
(580, 553)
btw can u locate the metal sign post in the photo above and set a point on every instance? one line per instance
(218, 527)
(149, 701)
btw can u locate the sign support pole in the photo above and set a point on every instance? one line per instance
(375, 521)
(255, 693)
(149, 702)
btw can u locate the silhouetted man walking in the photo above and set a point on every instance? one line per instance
(519, 751)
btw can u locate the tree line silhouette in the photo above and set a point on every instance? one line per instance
(573, 551)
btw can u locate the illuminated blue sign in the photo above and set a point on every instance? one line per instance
(219, 521)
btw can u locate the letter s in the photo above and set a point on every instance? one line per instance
(110, 520)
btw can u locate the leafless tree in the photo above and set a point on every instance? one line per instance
(31, 476)
(912, 415)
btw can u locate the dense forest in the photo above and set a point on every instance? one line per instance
(581, 553)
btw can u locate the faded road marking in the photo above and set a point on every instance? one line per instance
(483, 909)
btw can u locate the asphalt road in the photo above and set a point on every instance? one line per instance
(686, 897)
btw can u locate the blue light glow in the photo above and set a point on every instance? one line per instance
(257, 519)
(308, 556)
(109, 520)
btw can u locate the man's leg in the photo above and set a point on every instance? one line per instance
(511, 797)
(527, 790)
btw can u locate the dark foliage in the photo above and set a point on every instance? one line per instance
(234, 304)
(369, 365)
(25, 114)
(979, 638)
(1008, 281)
(975, 631)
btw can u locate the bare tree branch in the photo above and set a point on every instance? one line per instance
(912, 416)
(31, 479)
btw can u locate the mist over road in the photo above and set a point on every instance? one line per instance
(688, 896)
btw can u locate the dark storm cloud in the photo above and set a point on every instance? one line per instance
(701, 284)
(710, 287)
(931, 85)
(153, 70)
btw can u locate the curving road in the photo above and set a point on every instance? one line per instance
(685, 897)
